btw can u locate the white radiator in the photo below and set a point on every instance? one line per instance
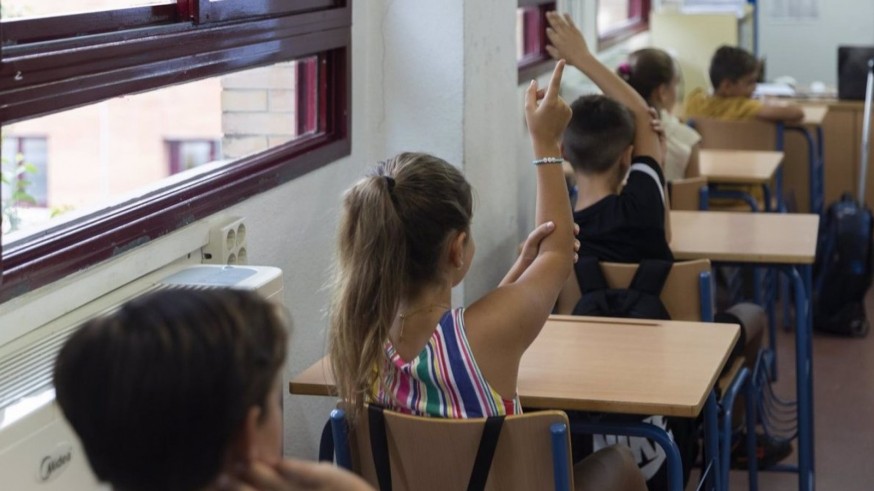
(38, 450)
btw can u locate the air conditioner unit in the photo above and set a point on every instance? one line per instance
(38, 449)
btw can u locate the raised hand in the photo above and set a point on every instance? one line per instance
(566, 40)
(548, 119)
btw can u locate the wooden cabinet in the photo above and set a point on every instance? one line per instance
(842, 132)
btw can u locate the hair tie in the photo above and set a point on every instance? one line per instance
(625, 69)
(390, 183)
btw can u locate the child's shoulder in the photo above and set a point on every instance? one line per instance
(700, 103)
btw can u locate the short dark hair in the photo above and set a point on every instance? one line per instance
(599, 131)
(732, 64)
(158, 389)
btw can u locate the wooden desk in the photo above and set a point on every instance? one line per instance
(814, 115)
(739, 166)
(788, 242)
(317, 380)
(601, 364)
(612, 365)
(624, 366)
(761, 238)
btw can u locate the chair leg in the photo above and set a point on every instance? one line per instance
(560, 456)
(341, 439)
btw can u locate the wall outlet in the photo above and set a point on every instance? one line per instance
(227, 243)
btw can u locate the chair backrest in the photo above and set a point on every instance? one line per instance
(437, 453)
(687, 293)
(736, 135)
(686, 193)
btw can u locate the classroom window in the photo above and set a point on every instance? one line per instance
(531, 55)
(183, 155)
(22, 9)
(620, 19)
(153, 128)
(23, 186)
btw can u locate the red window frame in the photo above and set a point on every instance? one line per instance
(637, 21)
(39, 77)
(535, 60)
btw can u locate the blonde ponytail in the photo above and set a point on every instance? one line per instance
(392, 231)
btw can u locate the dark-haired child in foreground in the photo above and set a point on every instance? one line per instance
(181, 390)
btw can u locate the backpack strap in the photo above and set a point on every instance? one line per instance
(589, 275)
(650, 276)
(379, 446)
(488, 443)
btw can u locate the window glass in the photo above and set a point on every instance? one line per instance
(21, 9)
(613, 14)
(530, 33)
(106, 153)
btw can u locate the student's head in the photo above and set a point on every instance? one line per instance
(654, 75)
(404, 228)
(734, 72)
(175, 387)
(598, 140)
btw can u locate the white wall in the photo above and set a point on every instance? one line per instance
(807, 49)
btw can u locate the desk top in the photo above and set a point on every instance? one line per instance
(771, 238)
(602, 364)
(624, 365)
(814, 114)
(739, 166)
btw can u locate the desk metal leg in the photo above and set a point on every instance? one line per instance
(738, 384)
(804, 375)
(751, 418)
(711, 443)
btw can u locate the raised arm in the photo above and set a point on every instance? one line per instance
(511, 316)
(566, 41)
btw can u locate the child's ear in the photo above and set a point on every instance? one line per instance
(456, 250)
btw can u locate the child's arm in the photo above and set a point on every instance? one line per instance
(529, 249)
(567, 42)
(780, 111)
(509, 318)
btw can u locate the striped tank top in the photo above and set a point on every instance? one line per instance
(443, 380)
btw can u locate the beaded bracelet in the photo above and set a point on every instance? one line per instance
(548, 160)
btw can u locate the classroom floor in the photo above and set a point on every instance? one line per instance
(843, 412)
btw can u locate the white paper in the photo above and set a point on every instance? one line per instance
(794, 10)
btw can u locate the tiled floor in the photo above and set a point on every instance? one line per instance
(843, 412)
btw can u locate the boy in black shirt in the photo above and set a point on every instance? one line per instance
(610, 137)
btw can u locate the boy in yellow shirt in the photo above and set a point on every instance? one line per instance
(734, 73)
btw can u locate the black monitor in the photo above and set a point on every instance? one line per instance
(853, 71)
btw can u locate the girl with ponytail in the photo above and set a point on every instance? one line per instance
(404, 241)
(654, 74)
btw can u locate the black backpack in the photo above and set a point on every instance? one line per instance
(842, 273)
(639, 301)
